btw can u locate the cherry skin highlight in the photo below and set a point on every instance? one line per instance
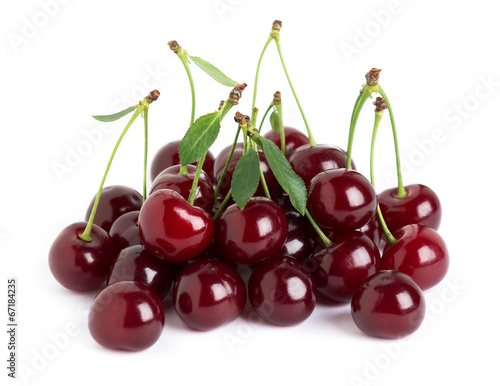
(126, 315)
(420, 252)
(125, 231)
(115, 200)
(81, 265)
(135, 263)
(208, 293)
(341, 199)
(388, 305)
(169, 178)
(293, 139)
(173, 230)
(253, 234)
(282, 291)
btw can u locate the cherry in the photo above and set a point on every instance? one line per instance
(125, 231)
(126, 315)
(253, 234)
(282, 291)
(388, 305)
(173, 230)
(220, 161)
(420, 206)
(136, 263)
(300, 238)
(115, 200)
(81, 265)
(308, 161)
(208, 293)
(340, 269)
(293, 139)
(373, 230)
(341, 199)
(170, 178)
(168, 156)
(419, 252)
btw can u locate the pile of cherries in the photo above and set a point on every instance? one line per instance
(266, 254)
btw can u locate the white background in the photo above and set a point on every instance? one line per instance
(63, 61)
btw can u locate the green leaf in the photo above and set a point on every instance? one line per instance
(246, 178)
(199, 137)
(274, 118)
(116, 116)
(214, 72)
(287, 178)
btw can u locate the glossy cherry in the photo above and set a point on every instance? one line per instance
(136, 263)
(308, 161)
(420, 252)
(420, 206)
(81, 265)
(300, 238)
(341, 199)
(125, 231)
(282, 291)
(173, 230)
(253, 234)
(126, 315)
(388, 305)
(220, 161)
(115, 200)
(340, 269)
(293, 139)
(208, 293)
(169, 178)
(168, 156)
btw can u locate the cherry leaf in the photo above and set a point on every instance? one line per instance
(116, 116)
(214, 72)
(246, 178)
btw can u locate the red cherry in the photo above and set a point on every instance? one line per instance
(173, 230)
(308, 161)
(282, 291)
(126, 315)
(81, 265)
(125, 231)
(253, 234)
(293, 139)
(388, 305)
(169, 178)
(208, 293)
(136, 263)
(341, 199)
(340, 269)
(115, 200)
(420, 206)
(168, 156)
(420, 252)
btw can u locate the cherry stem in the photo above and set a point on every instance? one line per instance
(226, 166)
(318, 230)
(360, 101)
(264, 117)
(279, 110)
(257, 71)
(223, 204)
(144, 182)
(402, 193)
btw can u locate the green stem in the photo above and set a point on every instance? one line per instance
(194, 186)
(85, 235)
(223, 204)
(318, 230)
(402, 193)
(312, 142)
(360, 101)
(184, 60)
(262, 177)
(144, 182)
(264, 117)
(282, 129)
(224, 171)
(257, 71)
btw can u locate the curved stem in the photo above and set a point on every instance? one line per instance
(144, 182)
(312, 142)
(194, 186)
(184, 61)
(262, 177)
(402, 193)
(85, 235)
(257, 71)
(318, 230)
(224, 171)
(265, 115)
(223, 204)
(362, 97)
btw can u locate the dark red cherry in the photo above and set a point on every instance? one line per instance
(420, 252)
(373, 230)
(300, 237)
(282, 291)
(81, 265)
(136, 263)
(220, 161)
(208, 293)
(341, 199)
(125, 231)
(308, 161)
(340, 269)
(420, 206)
(170, 179)
(293, 139)
(173, 230)
(126, 315)
(388, 305)
(115, 200)
(253, 234)
(168, 156)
